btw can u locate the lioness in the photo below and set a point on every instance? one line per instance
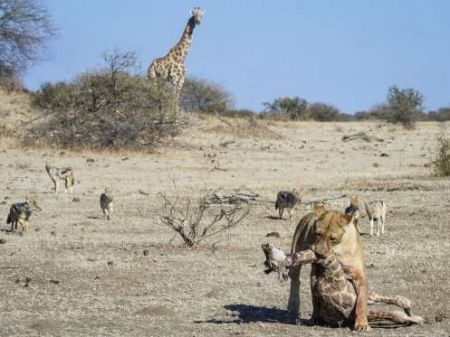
(326, 231)
(335, 292)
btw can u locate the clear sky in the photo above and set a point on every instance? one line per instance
(346, 52)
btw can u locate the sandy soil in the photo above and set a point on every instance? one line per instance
(76, 274)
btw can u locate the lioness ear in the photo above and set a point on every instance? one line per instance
(319, 209)
(345, 219)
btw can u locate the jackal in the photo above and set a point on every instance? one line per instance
(353, 209)
(106, 202)
(61, 173)
(20, 213)
(286, 199)
(376, 211)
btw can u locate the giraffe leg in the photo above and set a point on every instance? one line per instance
(399, 301)
(382, 224)
(398, 317)
(371, 227)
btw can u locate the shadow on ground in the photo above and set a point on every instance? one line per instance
(246, 313)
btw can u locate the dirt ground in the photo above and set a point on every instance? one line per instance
(76, 274)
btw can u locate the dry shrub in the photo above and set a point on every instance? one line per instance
(442, 161)
(109, 108)
(11, 84)
(198, 95)
(197, 219)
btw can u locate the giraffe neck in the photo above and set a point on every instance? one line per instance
(179, 51)
(332, 269)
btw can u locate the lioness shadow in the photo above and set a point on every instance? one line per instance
(246, 313)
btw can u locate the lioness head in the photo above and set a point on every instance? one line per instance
(330, 227)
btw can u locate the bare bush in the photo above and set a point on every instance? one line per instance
(197, 219)
(442, 161)
(108, 108)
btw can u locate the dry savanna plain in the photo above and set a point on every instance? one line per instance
(77, 274)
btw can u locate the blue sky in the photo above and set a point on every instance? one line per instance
(346, 53)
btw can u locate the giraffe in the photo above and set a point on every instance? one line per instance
(171, 68)
(334, 292)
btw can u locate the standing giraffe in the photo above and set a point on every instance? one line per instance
(171, 68)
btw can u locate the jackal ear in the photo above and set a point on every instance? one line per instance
(345, 219)
(319, 209)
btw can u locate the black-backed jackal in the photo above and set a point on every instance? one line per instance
(20, 213)
(61, 173)
(106, 202)
(353, 209)
(376, 211)
(288, 200)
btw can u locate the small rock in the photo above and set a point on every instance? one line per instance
(76, 199)
(54, 281)
(90, 160)
(376, 165)
(146, 252)
(110, 263)
(53, 233)
(2, 241)
(384, 154)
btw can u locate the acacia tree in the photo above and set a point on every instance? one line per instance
(405, 106)
(25, 27)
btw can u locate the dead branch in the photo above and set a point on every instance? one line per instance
(362, 136)
(196, 221)
(227, 142)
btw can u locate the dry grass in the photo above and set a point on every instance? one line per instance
(75, 274)
(239, 127)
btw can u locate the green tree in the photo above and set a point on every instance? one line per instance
(405, 106)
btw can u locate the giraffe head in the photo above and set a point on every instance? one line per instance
(197, 14)
(330, 227)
